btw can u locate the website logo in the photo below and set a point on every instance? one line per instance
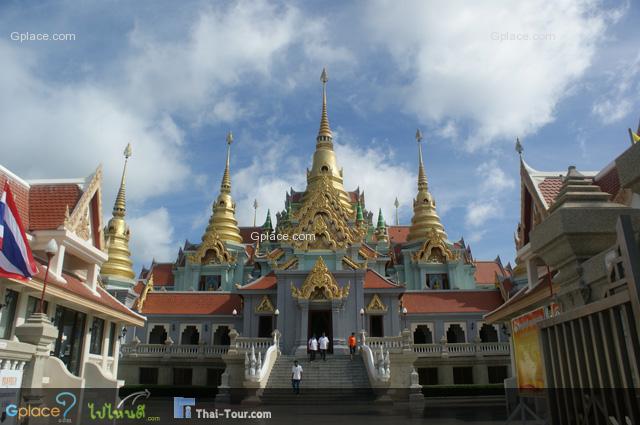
(182, 407)
(65, 399)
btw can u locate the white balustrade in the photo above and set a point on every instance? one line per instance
(462, 349)
(174, 350)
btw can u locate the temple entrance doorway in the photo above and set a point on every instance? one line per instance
(319, 322)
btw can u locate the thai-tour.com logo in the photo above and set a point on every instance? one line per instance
(65, 402)
(185, 408)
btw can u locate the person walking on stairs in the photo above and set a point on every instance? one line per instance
(352, 344)
(296, 377)
(324, 345)
(313, 348)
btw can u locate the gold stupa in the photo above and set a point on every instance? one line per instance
(119, 263)
(223, 219)
(425, 219)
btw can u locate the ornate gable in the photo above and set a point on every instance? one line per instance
(323, 215)
(320, 285)
(265, 306)
(211, 251)
(434, 250)
(79, 220)
(376, 305)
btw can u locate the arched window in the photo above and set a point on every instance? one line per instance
(455, 334)
(488, 333)
(422, 335)
(190, 335)
(221, 336)
(158, 335)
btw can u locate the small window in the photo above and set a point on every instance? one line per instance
(422, 335)
(33, 305)
(97, 332)
(462, 375)
(182, 376)
(437, 281)
(428, 376)
(158, 335)
(209, 283)
(112, 339)
(497, 374)
(148, 375)
(8, 312)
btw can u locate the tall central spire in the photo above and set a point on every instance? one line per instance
(324, 133)
(425, 219)
(324, 158)
(223, 219)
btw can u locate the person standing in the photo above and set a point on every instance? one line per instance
(324, 346)
(352, 344)
(313, 348)
(296, 377)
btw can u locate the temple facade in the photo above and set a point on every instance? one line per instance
(320, 265)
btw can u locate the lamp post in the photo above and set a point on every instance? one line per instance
(234, 312)
(50, 250)
(275, 321)
(404, 316)
(362, 317)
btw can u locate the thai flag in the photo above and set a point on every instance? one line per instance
(16, 260)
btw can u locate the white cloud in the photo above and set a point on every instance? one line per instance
(620, 93)
(478, 212)
(152, 237)
(455, 66)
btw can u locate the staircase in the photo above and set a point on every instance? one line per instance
(336, 380)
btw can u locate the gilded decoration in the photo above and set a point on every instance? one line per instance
(148, 287)
(323, 215)
(289, 264)
(434, 250)
(77, 221)
(265, 306)
(211, 251)
(320, 285)
(376, 305)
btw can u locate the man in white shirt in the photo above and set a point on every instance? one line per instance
(296, 377)
(324, 346)
(313, 348)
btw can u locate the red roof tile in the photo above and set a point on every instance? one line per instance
(191, 303)
(609, 182)
(398, 234)
(162, 274)
(138, 287)
(486, 272)
(245, 232)
(268, 281)
(20, 196)
(373, 280)
(48, 204)
(451, 301)
(80, 288)
(550, 187)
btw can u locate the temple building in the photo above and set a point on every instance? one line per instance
(415, 299)
(571, 303)
(67, 336)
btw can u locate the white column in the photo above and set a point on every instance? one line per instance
(87, 343)
(92, 276)
(57, 261)
(116, 349)
(106, 334)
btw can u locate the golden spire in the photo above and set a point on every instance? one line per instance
(425, 219)
(324, 158)
(324, 133)
(223, 219)
(119, 262)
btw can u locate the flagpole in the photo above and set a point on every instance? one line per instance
(50, 250)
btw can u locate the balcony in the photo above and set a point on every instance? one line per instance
(442, 349)
(178, 351)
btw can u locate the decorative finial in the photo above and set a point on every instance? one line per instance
(225, 186)
(422, 176)
(229, 138)
(397, 204)
(418, 136)
(255, 211)
(519, 147)
(119, 207)
(634, 136)
(324, 134)
(127, 151)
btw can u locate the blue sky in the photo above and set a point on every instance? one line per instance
(172, 80)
